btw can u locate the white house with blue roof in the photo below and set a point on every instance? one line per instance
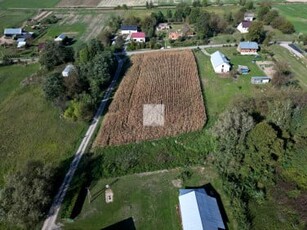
(248, 48)
(220, 63)
(199, 211)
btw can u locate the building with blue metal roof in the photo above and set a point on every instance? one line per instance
(10, 32)
(219, 62)
(199, 211)
(248, 48)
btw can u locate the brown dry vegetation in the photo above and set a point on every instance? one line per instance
(168, 78)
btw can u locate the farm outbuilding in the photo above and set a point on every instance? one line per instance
(242, 69)
(60, 38)
(68, 70)
(248, 48)
(219, 62)
(21, 42)
(128, 29)
(260, 80)
(199, 211)
(11, 32)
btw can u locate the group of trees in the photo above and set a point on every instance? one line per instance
(79, 93)
(255, 138)
(27, 195)
(271, 17)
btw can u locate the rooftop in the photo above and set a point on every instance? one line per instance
(13, 31)
(129, 27)
(246, 24)
(138, 35)
(217, 58)
(199, 210)
(248, 45)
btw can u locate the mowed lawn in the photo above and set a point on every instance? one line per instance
(31, 128)
(27, 3)
(220, 91)
(295, 13)
(151, 200)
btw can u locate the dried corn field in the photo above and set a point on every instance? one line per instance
(168, 78)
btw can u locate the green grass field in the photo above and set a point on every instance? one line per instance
(27, 4)
(151, 200)
(295, 13)
(31, 128)
(219, 91)
(13, 18)
(297, 66)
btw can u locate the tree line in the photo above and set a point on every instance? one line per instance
(257, 138)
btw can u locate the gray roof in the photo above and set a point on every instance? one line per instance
(61, 36)
(199, 211)
(217, 59)
(128, 27)
(248, 45)
(248, 14)
(13, 31)
(68, 68)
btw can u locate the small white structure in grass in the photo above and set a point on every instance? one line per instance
(109, 194)
(60, 38)
(219, 62)
(68, 70)
(21, 42)
(260, 80)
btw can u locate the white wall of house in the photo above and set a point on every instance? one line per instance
(223, 68)
(128, 31)
(139, 39)
(242, 29)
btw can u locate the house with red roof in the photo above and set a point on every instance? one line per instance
(138, 37)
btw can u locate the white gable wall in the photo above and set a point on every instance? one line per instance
(223, 68)
(242, 29)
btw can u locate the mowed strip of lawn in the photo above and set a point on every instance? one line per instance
(295, 13)
(219, 91)
(150, 199)
(31, 128)
(27, 3)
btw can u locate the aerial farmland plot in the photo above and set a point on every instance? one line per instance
(166, 80)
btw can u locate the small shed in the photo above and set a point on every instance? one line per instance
(68, 70)
(261, 80)
(60, 38)
(242, 69)
(21, 42)
(109, 195)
